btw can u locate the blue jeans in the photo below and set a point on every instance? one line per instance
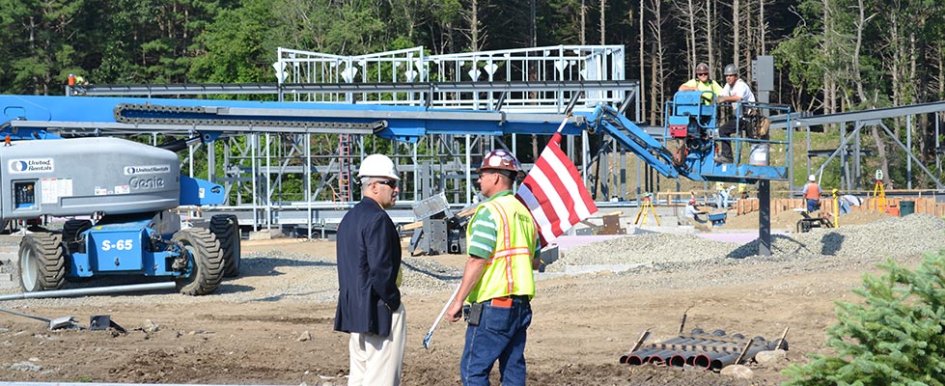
(500, 335)
(812, 205)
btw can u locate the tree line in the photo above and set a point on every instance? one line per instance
(831, 55)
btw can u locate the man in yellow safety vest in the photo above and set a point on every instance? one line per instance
(498, 282)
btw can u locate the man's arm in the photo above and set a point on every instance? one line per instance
(382, 277)
(471, 275)
(536, 260)
(690, 85)
(480, 247)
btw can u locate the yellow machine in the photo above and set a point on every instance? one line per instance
(879, 194)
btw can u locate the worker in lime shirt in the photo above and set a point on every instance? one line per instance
(498, 282)
(703, 82)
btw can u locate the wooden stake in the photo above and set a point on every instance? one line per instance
(781, 341)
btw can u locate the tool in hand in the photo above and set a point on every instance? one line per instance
(429, 336)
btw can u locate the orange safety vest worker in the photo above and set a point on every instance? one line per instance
(812, 191)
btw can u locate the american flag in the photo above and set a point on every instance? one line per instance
(554, 192)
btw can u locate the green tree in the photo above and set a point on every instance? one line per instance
(239, 46)
(41, 43)
(895, 337)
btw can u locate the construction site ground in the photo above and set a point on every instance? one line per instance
(273, 325)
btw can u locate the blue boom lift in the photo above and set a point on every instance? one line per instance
(130, 189)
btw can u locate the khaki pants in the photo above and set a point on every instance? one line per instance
(378, 360)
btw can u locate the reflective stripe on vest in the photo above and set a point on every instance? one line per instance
(508, 270)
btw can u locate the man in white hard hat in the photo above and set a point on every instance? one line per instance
(498, 280)
(368, 256)
(812, 193)
(737, 92)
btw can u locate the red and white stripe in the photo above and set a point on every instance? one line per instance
(554, 193)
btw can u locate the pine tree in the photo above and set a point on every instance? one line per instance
(894, 337)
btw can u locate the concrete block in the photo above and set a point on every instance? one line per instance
(265, 234)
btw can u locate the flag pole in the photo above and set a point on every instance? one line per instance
(569, 109)
(563, 123)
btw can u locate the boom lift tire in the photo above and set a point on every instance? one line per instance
(42, 262)
(227, 229)
(70, 233)
(205, 261)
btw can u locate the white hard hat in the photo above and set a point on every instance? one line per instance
(378, 165)
(812, 178)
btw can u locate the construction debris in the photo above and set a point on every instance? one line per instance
(104, 322)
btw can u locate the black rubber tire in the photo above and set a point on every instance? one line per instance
(205, 259)
(42, 262)
(227, 229)
(70, 233)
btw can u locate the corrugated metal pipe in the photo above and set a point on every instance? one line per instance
(711, 351)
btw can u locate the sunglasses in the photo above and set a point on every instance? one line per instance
(702, 74)
(392, 183)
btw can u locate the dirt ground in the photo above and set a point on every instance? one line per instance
(582, 325)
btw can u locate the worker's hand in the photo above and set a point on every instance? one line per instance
(455, 312)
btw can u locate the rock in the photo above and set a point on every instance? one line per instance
(25, 366)
(737, 371)
(34, 359)
(770, 356)
(306, 336)
(150, 326)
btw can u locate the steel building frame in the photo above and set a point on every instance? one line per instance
(534, 80)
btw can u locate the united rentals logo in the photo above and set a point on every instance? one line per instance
(32, 165)
(148, 169)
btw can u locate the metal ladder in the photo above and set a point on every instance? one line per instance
(344, 168)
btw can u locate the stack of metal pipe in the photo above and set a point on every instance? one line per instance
(711, 351)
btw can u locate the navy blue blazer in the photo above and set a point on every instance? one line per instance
(368, 255)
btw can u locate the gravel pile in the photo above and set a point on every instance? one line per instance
(891, 237)
(641, 251)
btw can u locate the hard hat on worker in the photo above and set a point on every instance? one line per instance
(378, 165)
(812, 178)
(730, 70)
(702, 68)
(500, 159)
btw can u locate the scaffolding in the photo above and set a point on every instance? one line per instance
(262, 172)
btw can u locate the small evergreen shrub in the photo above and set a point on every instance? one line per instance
(895, 337)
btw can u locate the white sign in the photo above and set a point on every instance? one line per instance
(55, 188)
(31, 165)
(147, 169)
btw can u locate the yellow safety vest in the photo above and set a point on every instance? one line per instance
(508, 270)
(711, 85)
